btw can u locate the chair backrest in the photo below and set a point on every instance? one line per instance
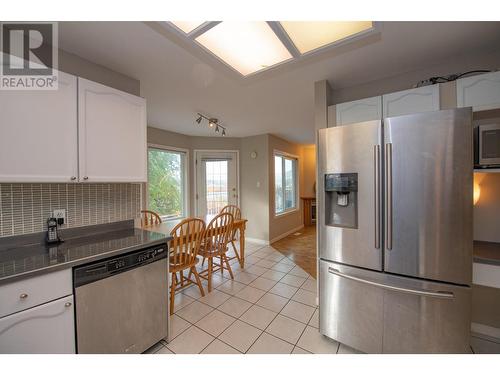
(185, 244)
(218, 233)
(233, 210)
(149, 218)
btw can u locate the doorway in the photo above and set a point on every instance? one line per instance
(216, 180)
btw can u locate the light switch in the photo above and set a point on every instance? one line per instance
(258, 184)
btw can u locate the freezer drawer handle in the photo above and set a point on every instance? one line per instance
(418, 292)
(388, 195)
(376, 166)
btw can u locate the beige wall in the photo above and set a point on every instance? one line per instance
(308, 171)
(282, 224)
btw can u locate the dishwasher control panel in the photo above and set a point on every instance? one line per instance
(120, 263)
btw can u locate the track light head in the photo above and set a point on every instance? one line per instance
(198, 120)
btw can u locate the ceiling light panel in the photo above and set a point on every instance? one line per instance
(308, 36)
(246, 46)
(187, 26)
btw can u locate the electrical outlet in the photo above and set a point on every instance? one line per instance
(60, 215)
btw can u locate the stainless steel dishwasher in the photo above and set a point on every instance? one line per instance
(122, 302)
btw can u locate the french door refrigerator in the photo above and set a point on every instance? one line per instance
(395, 233)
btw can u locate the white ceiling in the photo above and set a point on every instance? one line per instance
(179, 79)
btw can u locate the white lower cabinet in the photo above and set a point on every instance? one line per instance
(47, 328)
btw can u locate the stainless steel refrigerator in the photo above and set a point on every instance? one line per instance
(395, 233)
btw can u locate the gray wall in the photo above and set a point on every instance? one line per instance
(78, 66)
(470, 61)
(256, 176)
(255, 185)
(278, 225)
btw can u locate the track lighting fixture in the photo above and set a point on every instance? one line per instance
(212, 123)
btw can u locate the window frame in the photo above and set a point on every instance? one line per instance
(187, 195)
(285, 156)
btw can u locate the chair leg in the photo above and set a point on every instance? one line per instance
(236, 251)
(172, 293)
(210, 265)
(221, 266)
(203, 261)
(182, 277)
(228, 266)
(198, 281)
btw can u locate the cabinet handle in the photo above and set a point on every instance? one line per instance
(23, 296)
(85, 178)
(73, 178)
(67, 304)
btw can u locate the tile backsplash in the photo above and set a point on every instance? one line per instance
(24, 208)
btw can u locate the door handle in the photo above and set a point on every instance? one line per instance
(376, 191)
(418, 292)
(388, 195)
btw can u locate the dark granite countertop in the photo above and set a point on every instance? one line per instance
(20, 260)
(487, 252)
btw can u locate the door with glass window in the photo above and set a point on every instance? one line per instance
(216, 181)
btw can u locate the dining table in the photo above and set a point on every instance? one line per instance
(239, 225)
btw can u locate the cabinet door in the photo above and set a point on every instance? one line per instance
(111, 134)
(38, 134)
(48, 328)
(481, 92)
(421, 99)
(359, 111)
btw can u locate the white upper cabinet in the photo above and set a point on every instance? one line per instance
(481, 92)
(38, 134)
(111, 134)
(421, 99)
(359, 111)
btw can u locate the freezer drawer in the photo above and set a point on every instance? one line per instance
(380, 313)
(349, 311)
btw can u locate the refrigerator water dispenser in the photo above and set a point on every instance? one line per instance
(341, 200)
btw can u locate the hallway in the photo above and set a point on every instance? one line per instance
(300, 247)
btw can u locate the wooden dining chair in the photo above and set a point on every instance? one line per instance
(183, 255)
(236, 212)
(217, 236)
(149, 218)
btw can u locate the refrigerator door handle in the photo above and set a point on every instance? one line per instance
(419, 292)
(388, 195)
(376, 166)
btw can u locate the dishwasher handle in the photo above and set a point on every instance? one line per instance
(114, 265)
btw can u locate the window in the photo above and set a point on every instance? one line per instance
(217, 189)
(167, 185)
(285, 183)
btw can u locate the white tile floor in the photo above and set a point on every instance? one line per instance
(270, 307)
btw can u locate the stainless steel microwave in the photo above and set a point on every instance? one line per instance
(487, 145)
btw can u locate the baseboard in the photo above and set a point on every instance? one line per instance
(283, 235)
(485, 330)
(257, 241)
